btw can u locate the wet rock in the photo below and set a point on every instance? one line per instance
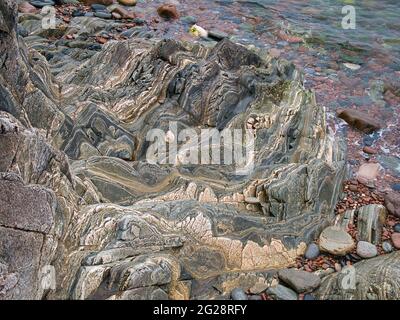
(366, 250)
(281, 292)
(387, 247)
(239, 294)
(336, 241)
(312, 251)
(371, 219)
(300, 281)
(168, 12)
(368, 173)
(396, 240)
(128, 2)
(375, 278)
(128, 227)
(359, 120)
(392, 203)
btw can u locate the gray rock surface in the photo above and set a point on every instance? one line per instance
(336, 241)
(375, 279)
(312, 251)
(282, 293)
(239, 294)
(300, 281)
(85, 206)
(366, 249)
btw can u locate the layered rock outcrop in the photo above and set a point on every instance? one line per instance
(373, 279)
(113, 225)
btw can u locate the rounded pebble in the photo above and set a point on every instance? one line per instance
(312, 251)
(239, 294)
(387, 247)
(396, 240)
(396, 228)
(366, 250)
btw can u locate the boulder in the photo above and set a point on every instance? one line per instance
(368, 173)
(373, 279)
(371, 219)
(74, 129)
(396, 240)
(366, 249)
(300, 281)
(168, 12)
(360, 120)
(312, 251)
(124, 13)
(239, 294)
(336, 241)
(392, 203)
(280, 292)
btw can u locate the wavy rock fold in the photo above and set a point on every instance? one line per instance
(114, 226)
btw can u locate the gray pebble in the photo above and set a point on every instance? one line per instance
(387, 246)
(239, 294)
(312, 251)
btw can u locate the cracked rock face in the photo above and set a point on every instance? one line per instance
(82, 195)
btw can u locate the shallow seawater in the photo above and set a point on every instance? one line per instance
(347, 68)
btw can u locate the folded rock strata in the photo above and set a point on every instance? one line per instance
(372, 279)
(117, 227)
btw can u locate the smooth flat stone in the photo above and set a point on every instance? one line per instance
(103, 15)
